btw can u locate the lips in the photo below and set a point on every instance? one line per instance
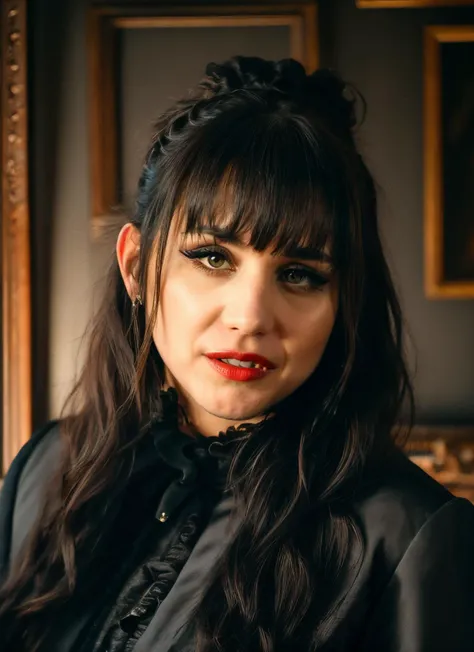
(235, 365)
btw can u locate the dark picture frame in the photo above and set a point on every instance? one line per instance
(449, 161)
(15, 235)
(105, 26)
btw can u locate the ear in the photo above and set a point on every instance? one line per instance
(128, 252)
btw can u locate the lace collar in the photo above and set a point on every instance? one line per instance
(217, 445)
(201, 462)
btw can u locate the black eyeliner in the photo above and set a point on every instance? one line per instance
(202, 252)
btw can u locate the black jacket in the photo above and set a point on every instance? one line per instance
(414, 591)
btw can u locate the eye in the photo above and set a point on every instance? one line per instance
(303, 278)
(211, 258)
(295, 276)
(215, 260)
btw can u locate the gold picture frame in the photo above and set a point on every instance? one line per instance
(439, 158)
(104, 28)
(420, 4)
(15, 235)
(447, 454)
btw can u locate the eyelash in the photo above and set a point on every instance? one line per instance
(315, 281)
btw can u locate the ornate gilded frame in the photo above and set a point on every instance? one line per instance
(420, 4)
(447, 454)
(15, 234)
(436, 286)
(104, 24)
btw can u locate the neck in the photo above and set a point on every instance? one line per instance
(207, 424)
(194, 419)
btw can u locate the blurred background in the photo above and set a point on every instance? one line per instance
(95, 77)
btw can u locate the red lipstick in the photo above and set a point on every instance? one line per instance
(225, 363)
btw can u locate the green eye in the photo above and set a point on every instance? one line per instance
(296, 276)
(209, 258)
(215, 260)
(303, 278)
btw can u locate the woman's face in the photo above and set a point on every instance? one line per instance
(239, 330)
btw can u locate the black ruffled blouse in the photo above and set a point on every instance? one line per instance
(198, 468)
(407, 586)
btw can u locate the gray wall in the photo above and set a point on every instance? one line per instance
(378, 50)
(147, 95)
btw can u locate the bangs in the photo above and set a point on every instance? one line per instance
(264, 178)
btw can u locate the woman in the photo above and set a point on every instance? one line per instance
(224, 477)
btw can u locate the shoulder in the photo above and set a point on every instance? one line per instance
(23, 488)
(418, 565)
(399, 501)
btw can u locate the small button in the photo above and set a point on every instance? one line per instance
(163, 517)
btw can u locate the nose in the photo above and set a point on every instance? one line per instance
(249, 304)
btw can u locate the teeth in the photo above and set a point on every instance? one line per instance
(242, 363)
(239, 363)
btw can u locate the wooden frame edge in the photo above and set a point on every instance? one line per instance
(101, 48)
(15, 247)
(410, 4)
(433, 188)
(435, 285)
(102, 23)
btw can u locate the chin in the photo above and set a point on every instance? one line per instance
(233, 412)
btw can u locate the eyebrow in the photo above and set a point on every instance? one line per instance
(302, 253)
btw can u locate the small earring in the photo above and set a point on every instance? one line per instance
(137, 301)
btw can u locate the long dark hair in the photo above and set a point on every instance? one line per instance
(277, 146)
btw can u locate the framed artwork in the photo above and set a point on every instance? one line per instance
(392, 4)
(141, 60)
(449, 161)
(15, 235)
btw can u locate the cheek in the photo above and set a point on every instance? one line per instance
(181, 317)
(311, 332)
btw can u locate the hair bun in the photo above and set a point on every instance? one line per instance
(335, 98)
(254, 73)
(322, 92)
